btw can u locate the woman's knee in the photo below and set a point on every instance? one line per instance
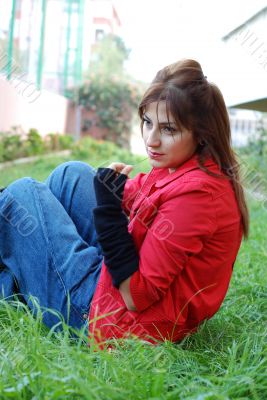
(20, 187)
(72, 170)
(16, 206)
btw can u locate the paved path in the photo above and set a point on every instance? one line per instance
(26, 160)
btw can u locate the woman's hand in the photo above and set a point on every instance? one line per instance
(121, 168)
(126, 294)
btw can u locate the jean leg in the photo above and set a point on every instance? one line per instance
(72, 184)
(41, 248)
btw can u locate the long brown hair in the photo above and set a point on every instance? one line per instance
(198, 105)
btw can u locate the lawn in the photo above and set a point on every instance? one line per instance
(226, 359)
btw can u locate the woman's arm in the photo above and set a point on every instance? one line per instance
(120, 255)
(124, 287)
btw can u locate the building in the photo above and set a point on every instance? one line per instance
(245, 89)
(246, 44)
(45, 50)
(49, 42)
(244, 125)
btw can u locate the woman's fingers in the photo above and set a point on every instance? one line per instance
(127, 169)
(121, 167)
(117, 166)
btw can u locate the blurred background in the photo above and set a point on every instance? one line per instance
(77, 68)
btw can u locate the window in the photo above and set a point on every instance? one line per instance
(99, 33)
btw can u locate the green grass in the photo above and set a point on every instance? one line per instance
(41, 168)
(225, 359)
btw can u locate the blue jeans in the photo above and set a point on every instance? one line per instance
(48, 246)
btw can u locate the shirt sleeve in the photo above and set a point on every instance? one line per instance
(111, 224)
(178, 231)
(131, 188)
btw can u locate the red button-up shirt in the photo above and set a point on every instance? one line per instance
(187, 228)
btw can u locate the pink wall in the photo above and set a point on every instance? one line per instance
(95, 131)
(21, 104)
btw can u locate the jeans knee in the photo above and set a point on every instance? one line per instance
(16, 206)
(20, 187)
(72, 169)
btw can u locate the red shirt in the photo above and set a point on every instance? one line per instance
(187, 228)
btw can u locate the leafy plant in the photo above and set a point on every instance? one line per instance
(34, 143)
(102, 152)
(16, 144)
(65, 141)
(56, 141)
(113, 102)
(109, 55)
(11, 146)
(109, 93)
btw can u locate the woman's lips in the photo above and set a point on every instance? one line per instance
(153, 154)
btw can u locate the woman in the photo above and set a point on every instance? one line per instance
(150, 256)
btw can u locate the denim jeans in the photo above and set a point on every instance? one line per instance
(48, 245)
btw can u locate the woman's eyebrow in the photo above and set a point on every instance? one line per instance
(162, 122)
(146, 116)
(167, 123)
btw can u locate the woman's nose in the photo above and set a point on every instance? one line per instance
(153, 139)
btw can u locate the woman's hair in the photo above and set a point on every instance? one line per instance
(198, 105)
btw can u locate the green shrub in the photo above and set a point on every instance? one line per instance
(102, 153)
(83, 148)
(2, 149)
(52, 142)
(102, 149)
(114, 101)
(11, 146)
(65, 141)
(34, 143)
(56, 142)
(15, 145)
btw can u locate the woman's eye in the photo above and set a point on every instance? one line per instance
(146, 122)
(168, 129)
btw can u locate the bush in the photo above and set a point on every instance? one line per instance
(65, 141)
(34, 143)
(102, 153)
(14, 145)
(114, 101)
(11, 146)
(56, 142)
(2, 151)
(89, 146)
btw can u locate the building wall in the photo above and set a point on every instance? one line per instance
(68, 38)
(22, 106)
(102, 19)
(246, 52)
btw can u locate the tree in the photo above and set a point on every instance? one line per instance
(109, 92)
(108, 56)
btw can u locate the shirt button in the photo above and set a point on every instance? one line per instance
(85, 316)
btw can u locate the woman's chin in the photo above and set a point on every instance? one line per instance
(156, 163)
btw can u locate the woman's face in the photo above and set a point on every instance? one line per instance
(166, 145)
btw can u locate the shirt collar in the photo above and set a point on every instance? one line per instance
(188, 165)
